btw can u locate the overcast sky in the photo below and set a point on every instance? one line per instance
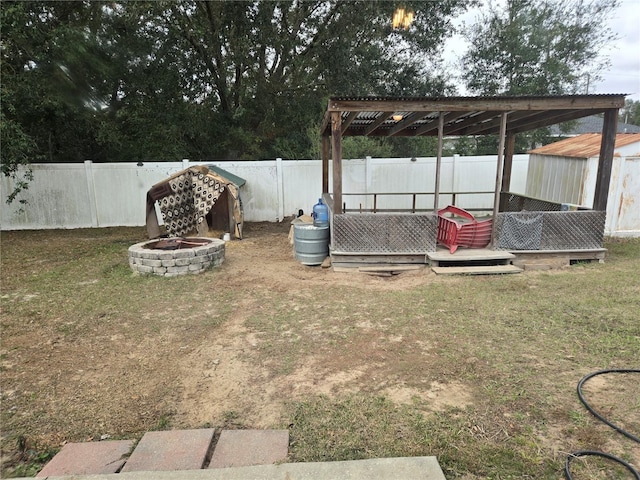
(624, 74)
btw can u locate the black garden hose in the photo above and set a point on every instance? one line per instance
(583, 453)
(596, 414)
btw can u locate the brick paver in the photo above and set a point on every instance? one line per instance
(239, 448)
(171, 450)
(88, 458)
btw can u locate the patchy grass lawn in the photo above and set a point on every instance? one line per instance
(479, 371)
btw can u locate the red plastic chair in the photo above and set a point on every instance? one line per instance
(454, 234)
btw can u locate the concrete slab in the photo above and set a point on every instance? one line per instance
(170, 450)
(406, 468)
(88, 458)
(241, 448)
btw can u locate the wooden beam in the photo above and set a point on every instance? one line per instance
(406, 122)
(501, 104)
(496, 198)
(605, 161)
(326, 120)
(481, 117)
(525, 121)
(427, 127)
(433, 124)
(336, 153)
(348, 121)
(507, 167)
(436, 194)
(520, 119)
(378, 121)
(325, 164)
(552, 118)
(484, 127)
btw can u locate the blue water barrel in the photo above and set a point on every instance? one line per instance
(320, 214)
(310, 243)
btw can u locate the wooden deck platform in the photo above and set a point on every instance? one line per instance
(472, 261)
(464, 261)
(551, 259)
(470, 256)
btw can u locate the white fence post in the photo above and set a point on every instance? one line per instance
(454, 183)
(91, 191)
(368, 176)
(280, 188)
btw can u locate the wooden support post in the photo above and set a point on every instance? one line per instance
(496, 199)
(507, 168)
(325, 164)
(436, 194)
(605, 162)
(336, 153)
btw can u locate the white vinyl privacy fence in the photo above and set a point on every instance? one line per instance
(72, 195)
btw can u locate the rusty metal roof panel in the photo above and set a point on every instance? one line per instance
(583, 146)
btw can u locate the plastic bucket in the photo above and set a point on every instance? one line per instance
(311, 243)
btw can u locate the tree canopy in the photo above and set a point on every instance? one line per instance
(201, 79)
(537, 47)
(170, 79)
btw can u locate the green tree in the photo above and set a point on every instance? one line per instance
(537, 47)
(112, 81)
(40, 114)
(266, 68)
(631, 112)
(51, 66)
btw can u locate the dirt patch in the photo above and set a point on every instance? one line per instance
(227, 376)
(266, 255)
(438, 397)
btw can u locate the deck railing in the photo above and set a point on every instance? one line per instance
(516, 202)
(414, 202)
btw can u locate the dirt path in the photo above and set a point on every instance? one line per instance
(226, 377)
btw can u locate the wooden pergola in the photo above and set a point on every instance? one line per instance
(464, 116)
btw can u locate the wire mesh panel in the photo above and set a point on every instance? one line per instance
(573, 230)
(384, 233)
(577, 230)
(512, 202)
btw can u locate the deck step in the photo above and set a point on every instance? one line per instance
(384, 270)
(485, 270)
(390, 268)
(464, 254)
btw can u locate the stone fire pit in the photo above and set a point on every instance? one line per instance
(170, 257)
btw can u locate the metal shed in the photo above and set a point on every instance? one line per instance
(565, 172)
